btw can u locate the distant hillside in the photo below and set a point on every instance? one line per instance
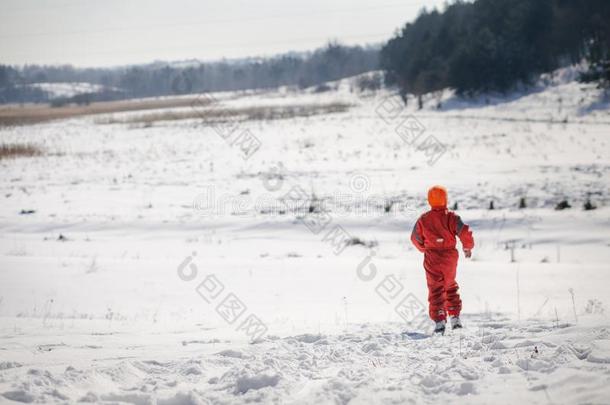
(38, 83)
(493, 45)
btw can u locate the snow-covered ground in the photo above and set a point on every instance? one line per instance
(154, 264)
(69, 89)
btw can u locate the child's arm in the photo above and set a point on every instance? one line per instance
(417, 237)
(463, 232)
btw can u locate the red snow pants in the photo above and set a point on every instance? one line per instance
(443, 297)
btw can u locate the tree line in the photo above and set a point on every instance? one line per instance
(332, 62)
(492, 45)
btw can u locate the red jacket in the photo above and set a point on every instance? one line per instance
(437, 229)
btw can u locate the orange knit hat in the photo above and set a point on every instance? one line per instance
(437, 197)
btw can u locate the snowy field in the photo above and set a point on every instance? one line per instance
(159, 263)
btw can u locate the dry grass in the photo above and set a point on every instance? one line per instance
(37, 113)
(262, 113)
(15, 150)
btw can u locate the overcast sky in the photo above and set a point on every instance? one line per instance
(118, 32)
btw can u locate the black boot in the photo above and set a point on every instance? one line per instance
(455, 322)
(439, 327)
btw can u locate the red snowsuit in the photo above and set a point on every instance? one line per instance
(434, 234)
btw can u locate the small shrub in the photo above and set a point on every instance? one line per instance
(562, 205)
(15, 150)
(594, 306)
(387, 207)
(314, 205)
(372, 82)
(589, 205)
(357, 241)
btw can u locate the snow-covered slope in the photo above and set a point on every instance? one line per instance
(492, 361)
(106, 239)
(71, 89)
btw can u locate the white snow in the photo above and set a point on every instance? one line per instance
(101, 315)
(67, 89)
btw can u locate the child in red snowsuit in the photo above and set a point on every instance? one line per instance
(434, 234)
